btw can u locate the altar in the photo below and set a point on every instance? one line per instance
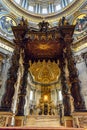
(46, 106)
(42, 121)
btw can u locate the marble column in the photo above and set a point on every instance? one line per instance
(66, 101)
(73, 76)
(11, 79)
(22, 93)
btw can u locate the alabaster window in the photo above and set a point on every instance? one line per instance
(17, 1)
(31, 8)
(44, 11)
(58, 7)
(70, 0)
(44, 7)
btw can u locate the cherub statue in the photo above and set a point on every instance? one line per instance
(63, 21)
(23, 22)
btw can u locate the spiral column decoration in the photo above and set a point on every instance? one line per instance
(66, 101)
(22, 93)
(73, 76)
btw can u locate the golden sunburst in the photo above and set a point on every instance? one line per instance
(43, 46)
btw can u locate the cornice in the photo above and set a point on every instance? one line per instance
(18, 11)
(6, 44)
(80, 44)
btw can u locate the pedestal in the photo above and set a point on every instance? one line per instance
(5, 119)
(68, 121)
(19, 121)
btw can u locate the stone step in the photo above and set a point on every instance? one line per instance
(39, 128)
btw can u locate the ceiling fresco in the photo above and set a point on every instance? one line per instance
(81, 23)
(81, 26)
(5, 24)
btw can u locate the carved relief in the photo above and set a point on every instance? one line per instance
(75, 122)
(82, 121)
(2, 121)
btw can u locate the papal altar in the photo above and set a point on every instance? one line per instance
(42, 121)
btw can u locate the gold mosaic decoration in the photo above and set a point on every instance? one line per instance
(45, 72)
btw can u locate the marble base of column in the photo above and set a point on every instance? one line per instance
(5, 104)
(20, 111)
(67, 108)
(79, 104)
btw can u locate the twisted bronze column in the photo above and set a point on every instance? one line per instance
(66, 101)
(73, 76)
(22, 93)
